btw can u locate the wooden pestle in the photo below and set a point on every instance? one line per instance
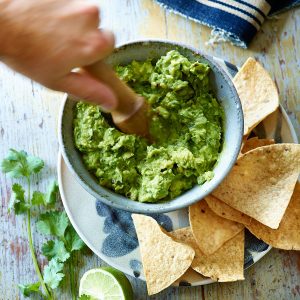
(131, 115)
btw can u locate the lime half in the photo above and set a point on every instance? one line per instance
(105, 283)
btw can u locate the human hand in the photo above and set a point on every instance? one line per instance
(45, 40)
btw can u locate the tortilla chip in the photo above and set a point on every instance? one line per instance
(190, 277)
(164, 260)
(287, 236)
(210, 231)
(244, 140)
(262, 182)
(271, 126)
(257, 92)
(225, 211)
(226, 264)
(255, 142)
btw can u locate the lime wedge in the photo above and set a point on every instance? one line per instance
(105, 284)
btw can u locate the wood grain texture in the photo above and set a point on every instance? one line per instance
(28, 118)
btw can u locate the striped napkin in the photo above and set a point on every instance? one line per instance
(236, 21)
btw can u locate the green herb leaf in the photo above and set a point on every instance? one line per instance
(47, 199)
(17, 200)
(37, 198)
(53, 273)
(50, 196)
(54, 222)
(15, 164)
(19, 164)
(55, 249)
(73, 241)
(28, 289)
(35, 164)
(84, 297)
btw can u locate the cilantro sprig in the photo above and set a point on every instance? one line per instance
(65, 241)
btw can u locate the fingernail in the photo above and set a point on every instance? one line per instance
(107, 108)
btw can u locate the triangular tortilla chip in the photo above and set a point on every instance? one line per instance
(210, 231)
(262, 182)
(287, 236)
(257, 92)
(164, 260)
(225, 211)
(255, 142)
(190, 276)
(270, 126)
(226, 264)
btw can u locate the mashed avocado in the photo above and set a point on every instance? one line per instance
(186, 126)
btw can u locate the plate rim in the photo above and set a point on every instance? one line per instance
(60, 161)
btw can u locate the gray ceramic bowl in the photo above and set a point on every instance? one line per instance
(233, 130)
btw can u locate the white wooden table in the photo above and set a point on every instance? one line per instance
(28, 118)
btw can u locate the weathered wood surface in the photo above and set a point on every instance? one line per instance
(28, 117)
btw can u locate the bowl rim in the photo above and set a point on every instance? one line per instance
(140, 207)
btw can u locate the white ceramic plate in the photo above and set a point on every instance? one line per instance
(110, 233)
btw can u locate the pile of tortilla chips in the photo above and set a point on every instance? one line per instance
(261, 193)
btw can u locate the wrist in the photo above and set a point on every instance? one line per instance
(6, 28)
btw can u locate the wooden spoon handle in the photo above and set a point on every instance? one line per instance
(127, 98)
(132, 113)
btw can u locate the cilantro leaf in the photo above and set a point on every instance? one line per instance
(48, 199)
(35, 164)
(37, 198)
(84, 297)
(19, 164)
(50, 196)
(55, 249)
(28, 289)
(53, 222)
(15, 164)
(53, 273)
(73, 241)
(17, 200)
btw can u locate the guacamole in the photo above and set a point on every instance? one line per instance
(186, 127)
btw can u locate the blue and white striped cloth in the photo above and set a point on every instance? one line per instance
(233, 20)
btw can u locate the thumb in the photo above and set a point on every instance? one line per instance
(85, 87)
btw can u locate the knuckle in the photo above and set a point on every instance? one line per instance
(99, 44)
(96, 45)
(90, 49)
(91, 11)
